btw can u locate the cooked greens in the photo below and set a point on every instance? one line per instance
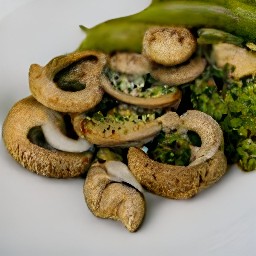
(232, 103)
(138, 85)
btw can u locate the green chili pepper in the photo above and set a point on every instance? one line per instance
(126, 33)
(219, 2)
(114, 35)
(237, 18)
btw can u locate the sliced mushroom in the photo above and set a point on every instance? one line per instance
(180, 74)
(167, 100)
(111, 132)
(128, 78)
(26, 130)
(168, 46)
(175, 182)
(242, 59)
(69, 83)
(107, 197)
(204, 125)
(208, 164)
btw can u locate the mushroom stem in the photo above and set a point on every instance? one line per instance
(120, 172)
(59, 141)
(113, 200)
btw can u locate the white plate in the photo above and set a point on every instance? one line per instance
(42, 216)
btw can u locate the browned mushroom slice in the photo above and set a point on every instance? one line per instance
(204, 125)
(172, 97)
(180, 74)
(206, 165)
(107, 197)
(175, 182)
(243, 60)
(29, 139)
(123, 125)
(128, 79)
(168, 46)
(69, 83)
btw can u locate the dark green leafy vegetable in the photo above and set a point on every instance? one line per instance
(172, 148)
(233, 105)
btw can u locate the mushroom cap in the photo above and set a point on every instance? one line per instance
(166, 100)
(180, 74)
(21, 119)
(168, 46)
(115, 134)
(130, 63)
(117, 201)
(87, 71)
(175, 182)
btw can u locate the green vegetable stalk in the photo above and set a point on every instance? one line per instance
(126, 33)
(213, 36)
(114, 35)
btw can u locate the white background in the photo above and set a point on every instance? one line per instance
(48, 217)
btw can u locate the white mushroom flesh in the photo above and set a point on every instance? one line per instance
(58, 140)
(120, 172)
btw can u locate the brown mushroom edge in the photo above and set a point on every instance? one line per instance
(115, 134)
(69, 83)
(207, 165)
(175, 182)
(181, 74)
(24, 122)
(168, 100)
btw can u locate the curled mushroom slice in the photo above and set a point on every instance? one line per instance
(181, 74)
(172, 97)
(168, 46)
(107, 198)
(175, 182)
(69, 83)
(207, 165)
(25, 140)
(204, 125)
(122, 126)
